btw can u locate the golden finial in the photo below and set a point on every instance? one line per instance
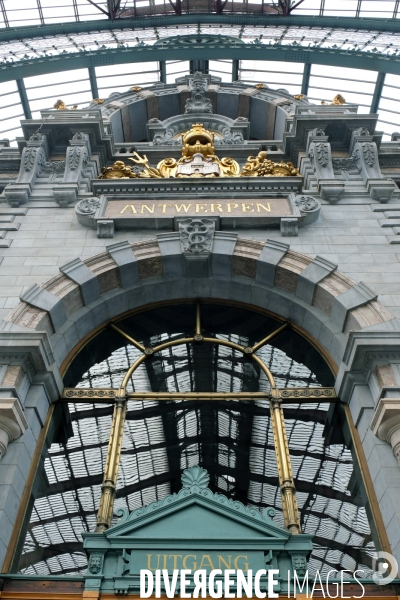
(337, 101)
(299, 96)
(260, 86)
(98, 101)
(136, 88)
(60, 105)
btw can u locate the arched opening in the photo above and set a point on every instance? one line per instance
(232, 437)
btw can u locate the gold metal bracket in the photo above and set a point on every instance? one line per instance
(275, 396)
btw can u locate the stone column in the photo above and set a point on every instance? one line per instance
(386, 420)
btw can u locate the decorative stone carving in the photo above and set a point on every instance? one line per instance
(195, 477)
(12, 422)
(361, 131)
(105, 229)
(322, 153)
(198, 103)
(289, 227)
(319, 153)
(88, 206)
(299, 563)
(196, 235)
(56, 166)
(230, 137)
(309, 208)
(95, 563)
(346, 164)
(165, 139)
(76, 156)
(31, 157)
(80, 136)
(386, 423)
(369, 153)
(306, 204)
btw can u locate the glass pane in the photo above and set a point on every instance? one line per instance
(322, 469)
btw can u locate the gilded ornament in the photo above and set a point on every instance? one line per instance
(261, 166)
(60, 105)
(337, 101)
(117, 171)
(98, 100)
(136, 88)
(198, 159)
(299, 96)
(260, 86)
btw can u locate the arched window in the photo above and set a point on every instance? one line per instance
(205, 397)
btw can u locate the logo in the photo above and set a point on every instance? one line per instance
(385, 568)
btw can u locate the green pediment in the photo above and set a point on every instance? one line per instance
(193, 529)
(195, 513)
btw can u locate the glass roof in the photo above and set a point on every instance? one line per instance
(47, 12)
(74, 86)
(232, 440)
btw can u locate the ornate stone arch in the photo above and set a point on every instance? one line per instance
(341, 317)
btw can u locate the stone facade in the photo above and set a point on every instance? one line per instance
(331, 267)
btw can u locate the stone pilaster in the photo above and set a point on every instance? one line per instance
(33, 156)
(320, 155)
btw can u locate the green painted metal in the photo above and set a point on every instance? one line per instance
(306, 79)
(380, 82)
(24, 99)
(384, 25)
(93, 82)
(189, 530)
(163, 71)
(79, 60)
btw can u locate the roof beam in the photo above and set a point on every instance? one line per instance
(24, 99)
(196, 53)
(163, 71)
(306, 79)
(235, 70)
(376, 98)
(93, 82)
(361, 24)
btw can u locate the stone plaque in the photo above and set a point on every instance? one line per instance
(108, 213)
(156, 209)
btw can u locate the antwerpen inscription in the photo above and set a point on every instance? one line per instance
(275, 207)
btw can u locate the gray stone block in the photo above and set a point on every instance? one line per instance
(105, 228)
(356, 296)
(83, 276)
(289, 227)
(315, 272)
(122, 255)
(117, 303)
(223, 249)
(45, 300)
(270, 257)
(171, 252)
(389, 222)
